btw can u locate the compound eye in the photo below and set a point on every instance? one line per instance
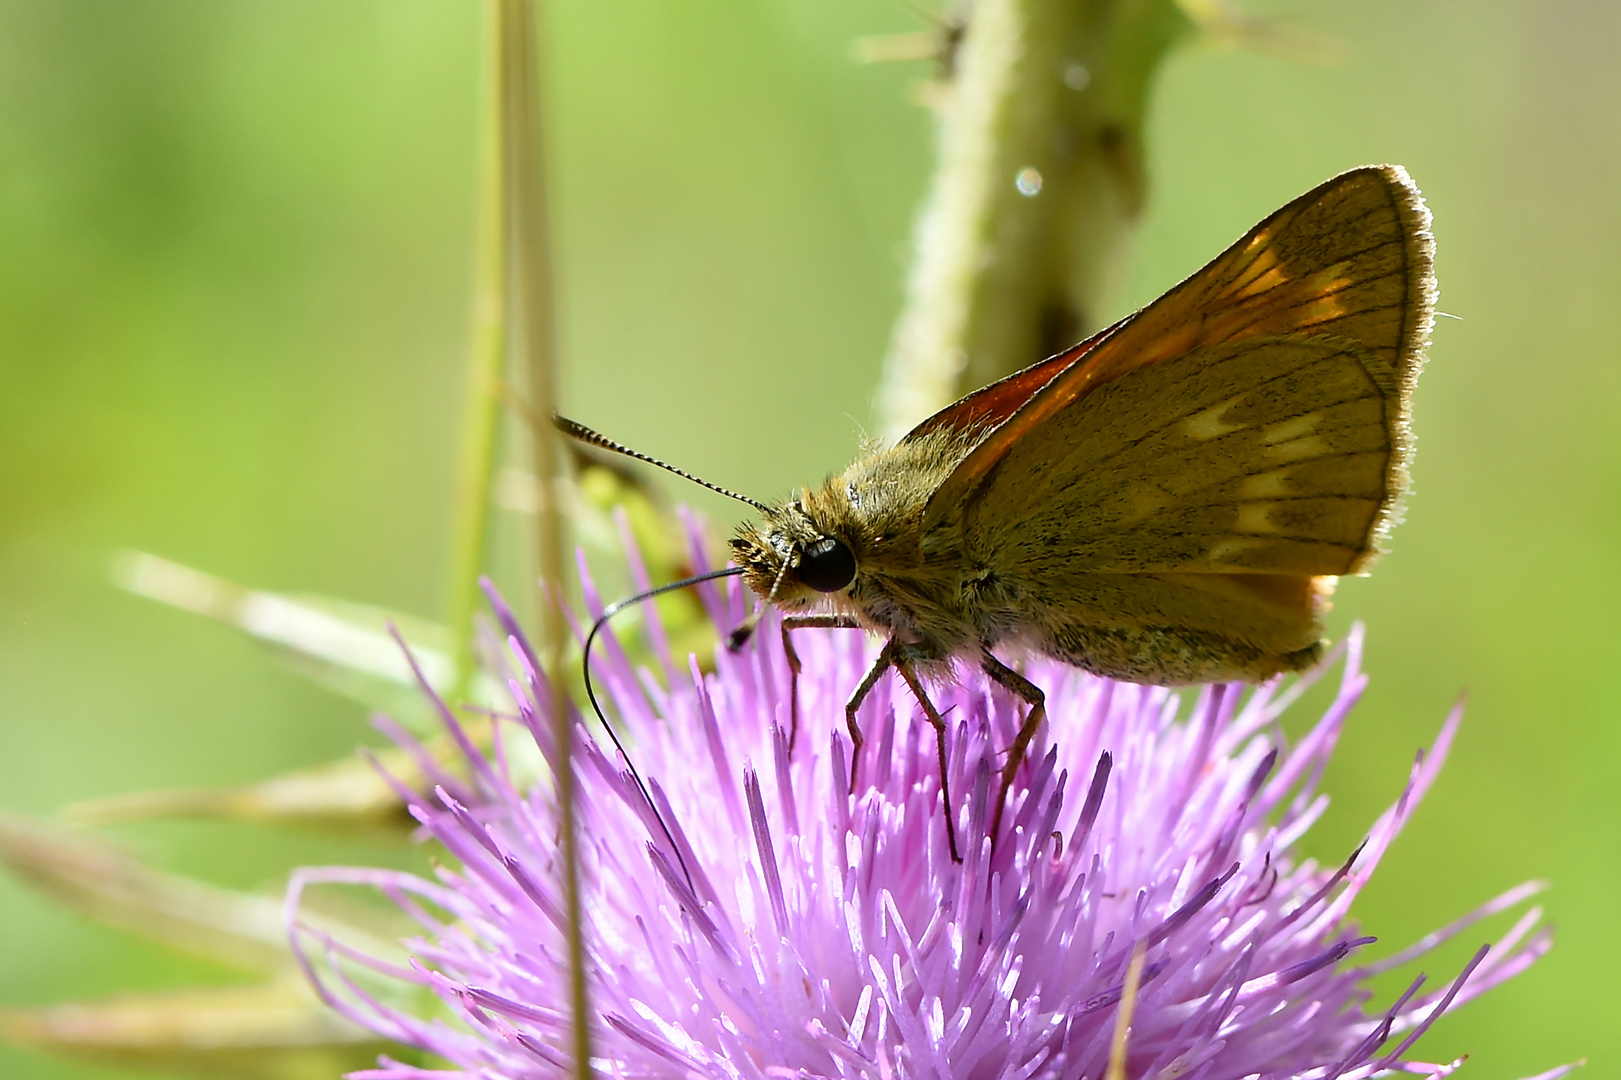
(827, 565)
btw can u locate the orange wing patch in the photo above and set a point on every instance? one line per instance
(991, 405)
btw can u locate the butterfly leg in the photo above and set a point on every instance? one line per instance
(902, 659)
(1032, 696)
(879, 666)
(797, 622)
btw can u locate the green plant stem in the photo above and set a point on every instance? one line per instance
(534, 327)
(1004, 272)
(485, 355)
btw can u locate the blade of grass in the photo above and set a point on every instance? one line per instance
(486, 352)
(534, 325)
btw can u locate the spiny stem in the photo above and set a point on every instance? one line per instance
(1038, 186)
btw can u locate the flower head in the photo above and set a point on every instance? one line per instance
(784, 925)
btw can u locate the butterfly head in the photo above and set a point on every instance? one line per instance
(792, 561)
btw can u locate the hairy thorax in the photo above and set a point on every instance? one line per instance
(875, 507)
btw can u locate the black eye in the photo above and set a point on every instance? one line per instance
(827, 565)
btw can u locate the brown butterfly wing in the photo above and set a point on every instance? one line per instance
(1252, 420)
(990, 406)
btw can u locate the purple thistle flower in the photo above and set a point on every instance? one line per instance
(797, 929)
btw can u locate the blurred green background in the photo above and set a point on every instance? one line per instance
(234, 269)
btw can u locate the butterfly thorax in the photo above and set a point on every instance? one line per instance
(874, 509)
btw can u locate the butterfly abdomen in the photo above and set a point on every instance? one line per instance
(1166, 656)
(1171, 629)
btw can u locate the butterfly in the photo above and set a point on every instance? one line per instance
(1169, 501)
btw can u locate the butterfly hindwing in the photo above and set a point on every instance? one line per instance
(1263, 456)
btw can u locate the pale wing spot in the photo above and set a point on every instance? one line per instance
(1255, 518)
(1267, 485)
(1226, 549)
(1309, 447)
(1143, 502)
(1208, 424)
(1292, 428)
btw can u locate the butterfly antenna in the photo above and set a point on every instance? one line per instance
(591, 694)
(586, 435)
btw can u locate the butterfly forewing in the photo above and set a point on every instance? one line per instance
(1253, 419)
(990, 406)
